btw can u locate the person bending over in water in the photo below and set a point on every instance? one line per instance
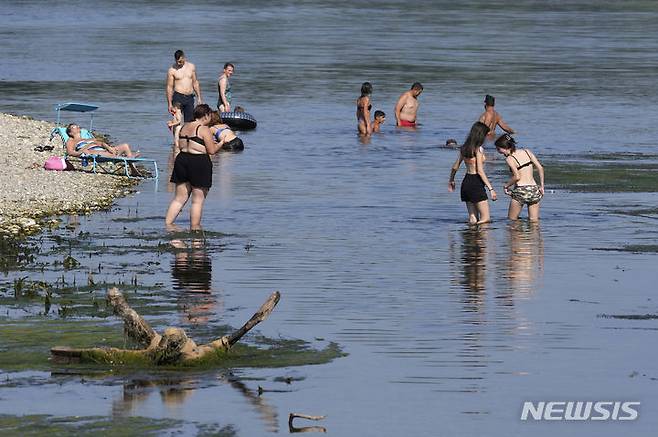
(380, 118)
(192, 171)
(223, 135)
(407, 106)
(363, 108)
(492, 118)
(77, 146)
(475, 179)
(522, 186)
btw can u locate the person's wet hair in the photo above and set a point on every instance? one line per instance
(417, 86)
(215, 119)
(489, 100)
(451, 142)
(366, 89)
(201, 111)
(238, 109)
(507, 142)
(228, 64)
(474, 140)
(379, 114)
(178, 54)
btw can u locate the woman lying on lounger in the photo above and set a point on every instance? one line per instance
(77, 146)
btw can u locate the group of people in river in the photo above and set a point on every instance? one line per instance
(521, 187)
(198, 133)
(405, 109)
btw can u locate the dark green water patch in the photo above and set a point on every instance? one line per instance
(50, 426)
(618, 156)
(617, 177)
(629, 316)
(633, 248)
(68, 299)
(16, 254)
(27, 343)
(136, 219)
(638, 212)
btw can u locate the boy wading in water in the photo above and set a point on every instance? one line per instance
(380, 118)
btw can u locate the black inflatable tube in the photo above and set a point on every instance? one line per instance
(239, 120)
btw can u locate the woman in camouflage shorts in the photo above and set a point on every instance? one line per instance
(522, 186)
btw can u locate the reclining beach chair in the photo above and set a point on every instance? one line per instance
(104, 163)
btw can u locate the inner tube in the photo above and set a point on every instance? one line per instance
(239, 120)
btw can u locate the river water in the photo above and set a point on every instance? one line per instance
(448, 329)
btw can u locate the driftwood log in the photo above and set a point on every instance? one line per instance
(294, 429)
(171, 348)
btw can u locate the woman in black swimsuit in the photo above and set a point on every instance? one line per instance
(475, 179)
(363, 108)
(521, 187)
(192, 172)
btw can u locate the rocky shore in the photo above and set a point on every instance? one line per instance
(29, 195)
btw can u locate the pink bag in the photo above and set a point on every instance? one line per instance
(55, 163)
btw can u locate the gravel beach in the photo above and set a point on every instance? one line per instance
(29, 194)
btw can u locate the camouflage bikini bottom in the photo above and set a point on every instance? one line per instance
(526, 194)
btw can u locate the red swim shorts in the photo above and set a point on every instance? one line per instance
(406, 123)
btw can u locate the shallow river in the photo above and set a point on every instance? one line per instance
(448, 329)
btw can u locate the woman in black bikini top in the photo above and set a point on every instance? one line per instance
(195, 138)
(521, 187)
(363, 108)
(192, 171)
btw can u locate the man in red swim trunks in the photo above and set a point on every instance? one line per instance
(407, 106)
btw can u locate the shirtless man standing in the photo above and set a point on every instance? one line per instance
(407, 106)
(182, 85)
(492, 118)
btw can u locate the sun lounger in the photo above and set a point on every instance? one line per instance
(104, 163)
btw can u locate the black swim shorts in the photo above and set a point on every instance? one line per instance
(193, 168)
(187, 105)
(473, 189)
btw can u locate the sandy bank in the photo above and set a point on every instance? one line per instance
(28, 193)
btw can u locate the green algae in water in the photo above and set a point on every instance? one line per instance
(617, 177)
(633, 248)
(50, 426)
(27, 344)
(641, 212)
(36, 297)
